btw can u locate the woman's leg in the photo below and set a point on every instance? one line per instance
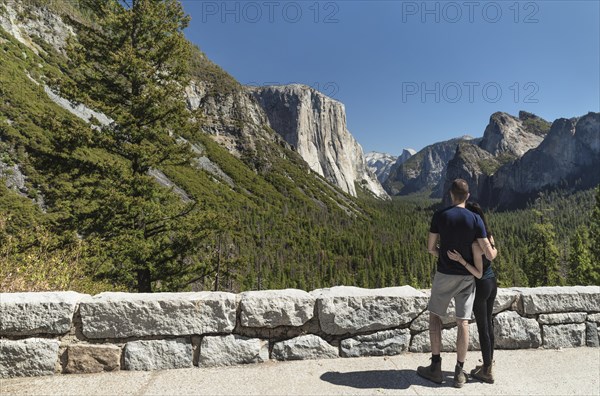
(480, 307)
(490, 319)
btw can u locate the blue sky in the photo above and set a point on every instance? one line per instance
(412, 73)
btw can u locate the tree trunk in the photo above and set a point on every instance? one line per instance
(216, 287)
(144, 281)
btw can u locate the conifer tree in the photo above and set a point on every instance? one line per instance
(134, 59)
(595, 232)
(542, 259)
(581, 268)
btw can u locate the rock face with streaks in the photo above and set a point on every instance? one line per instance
(41, 24)
(315, 125)
(380, 164)
(233, 117)
(509, 135)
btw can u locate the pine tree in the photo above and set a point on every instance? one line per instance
(542, 259)
(595, 232)
(134, 59)
(581, 270)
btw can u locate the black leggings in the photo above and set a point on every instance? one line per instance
(485, 294)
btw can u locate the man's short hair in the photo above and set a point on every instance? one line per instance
(460, 190)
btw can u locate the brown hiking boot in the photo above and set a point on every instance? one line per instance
(460, 377)
(433, 372)
(483, 373)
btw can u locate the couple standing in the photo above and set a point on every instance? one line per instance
(461, 240)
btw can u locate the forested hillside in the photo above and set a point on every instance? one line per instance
(186, 200)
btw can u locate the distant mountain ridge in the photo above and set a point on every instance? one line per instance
(518, 157)
(423, 171)
(514, 160)
(567, 158)
(381, 164)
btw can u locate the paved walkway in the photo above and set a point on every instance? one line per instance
(541, 372)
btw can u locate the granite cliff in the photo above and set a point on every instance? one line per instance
(315, 125)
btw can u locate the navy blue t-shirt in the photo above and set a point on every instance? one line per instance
(458, 228)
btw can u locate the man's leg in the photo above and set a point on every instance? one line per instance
(433, 372)
(435, 334)
(441, 293)
(464, 308)
(462, 344)
(462, 340)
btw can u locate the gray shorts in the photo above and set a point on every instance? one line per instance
(445, 288)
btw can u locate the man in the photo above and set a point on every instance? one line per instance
(453, 228)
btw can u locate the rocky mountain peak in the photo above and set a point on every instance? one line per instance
(525, 115)
(406, 154)
(380, 164)
(534, 124)
(506, 134)
(584, 132)
(588, 131)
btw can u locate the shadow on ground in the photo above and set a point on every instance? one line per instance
(384, 379)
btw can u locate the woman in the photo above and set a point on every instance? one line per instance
(485, 295)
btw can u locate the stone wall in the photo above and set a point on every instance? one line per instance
(68, 332)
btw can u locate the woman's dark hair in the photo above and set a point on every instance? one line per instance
(475, 208)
